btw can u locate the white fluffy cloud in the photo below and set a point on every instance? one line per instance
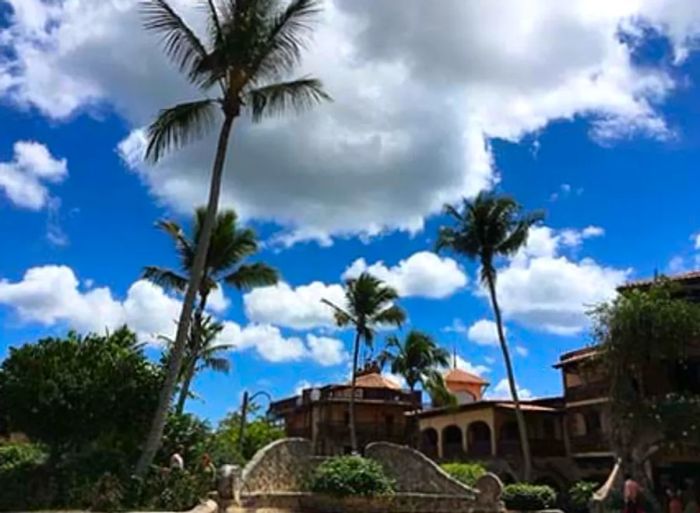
(502, 391)
(293, 307)
(418, 95)
(53, 295)
(476, 369)
(483, 332)
(547, 290)
(23, 179)
(422, 274)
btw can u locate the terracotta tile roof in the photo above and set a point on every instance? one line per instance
(461, 376)
(375, 380)
(688, 276)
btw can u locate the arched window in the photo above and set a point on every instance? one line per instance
(479, 439)
(452, 443)
(429, 443)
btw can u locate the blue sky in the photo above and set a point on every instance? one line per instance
(600, 130)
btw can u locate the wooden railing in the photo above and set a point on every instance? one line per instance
(592, 442)
(584, 392)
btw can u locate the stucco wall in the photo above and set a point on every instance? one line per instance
(413, 471)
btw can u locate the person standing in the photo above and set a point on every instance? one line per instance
(177, 460)
(631, 496)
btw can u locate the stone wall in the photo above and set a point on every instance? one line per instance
(414, 472)
(399, 503)
(282, 466)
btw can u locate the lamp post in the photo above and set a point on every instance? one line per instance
(244, 412)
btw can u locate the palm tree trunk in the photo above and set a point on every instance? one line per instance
(197, 340)
(355, 356)
(158, 424)
(522, 427)
(185, 390)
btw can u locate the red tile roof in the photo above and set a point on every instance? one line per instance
(688, 276)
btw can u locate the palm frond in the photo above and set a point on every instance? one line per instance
(180, 43)
(252, 275)
(286, 38)
(179, 125)
(218, 364)
(165, 278)
(394, 315)
(275, 99)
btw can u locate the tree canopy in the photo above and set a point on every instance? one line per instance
(641, 333)
(73, 391)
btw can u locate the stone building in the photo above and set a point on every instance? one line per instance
(322, 414)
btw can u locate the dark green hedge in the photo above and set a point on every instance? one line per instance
(524, 497)
(344, 476)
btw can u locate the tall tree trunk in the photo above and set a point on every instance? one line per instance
(186, 383)
(196, 333)
(522, 427)
(355, 356)
(158, 424)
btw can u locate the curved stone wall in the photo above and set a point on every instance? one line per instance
(414, 472)
(281, 466)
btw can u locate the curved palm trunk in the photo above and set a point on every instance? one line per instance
(185, 389)
(522, 427)
(355, 356)
(190, 372)
(156, 431)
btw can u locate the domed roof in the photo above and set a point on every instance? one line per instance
(460, 376)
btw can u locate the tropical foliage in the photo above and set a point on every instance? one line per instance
(638, 327)
(369, 303)
(420, 361)
(229, 248)
(484, 229)
(259, 431)
(242, 65)
(74, 392)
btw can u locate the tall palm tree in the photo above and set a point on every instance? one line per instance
(369, 303)
(229, 246)
(202, 352)
(418, 359)
(484, 229)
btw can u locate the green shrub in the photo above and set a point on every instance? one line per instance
(22, 478)
(344, 476)
(580, 494)
(523, 497)
(467, 473)
(13, 455)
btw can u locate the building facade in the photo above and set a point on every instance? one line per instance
(322, 414)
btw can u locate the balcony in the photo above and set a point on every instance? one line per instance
(365, 431)
(592, 442)
(539, 447)
(588, 391)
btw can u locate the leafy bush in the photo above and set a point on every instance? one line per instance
(22, 476)
(75, 392)
(580, 494)
(344, 476)
(523, 496)
(15, 455)
(259, 432)
(188, 431)
(165, 489)
(467, 473)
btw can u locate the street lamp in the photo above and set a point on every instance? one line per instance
(244, 412)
